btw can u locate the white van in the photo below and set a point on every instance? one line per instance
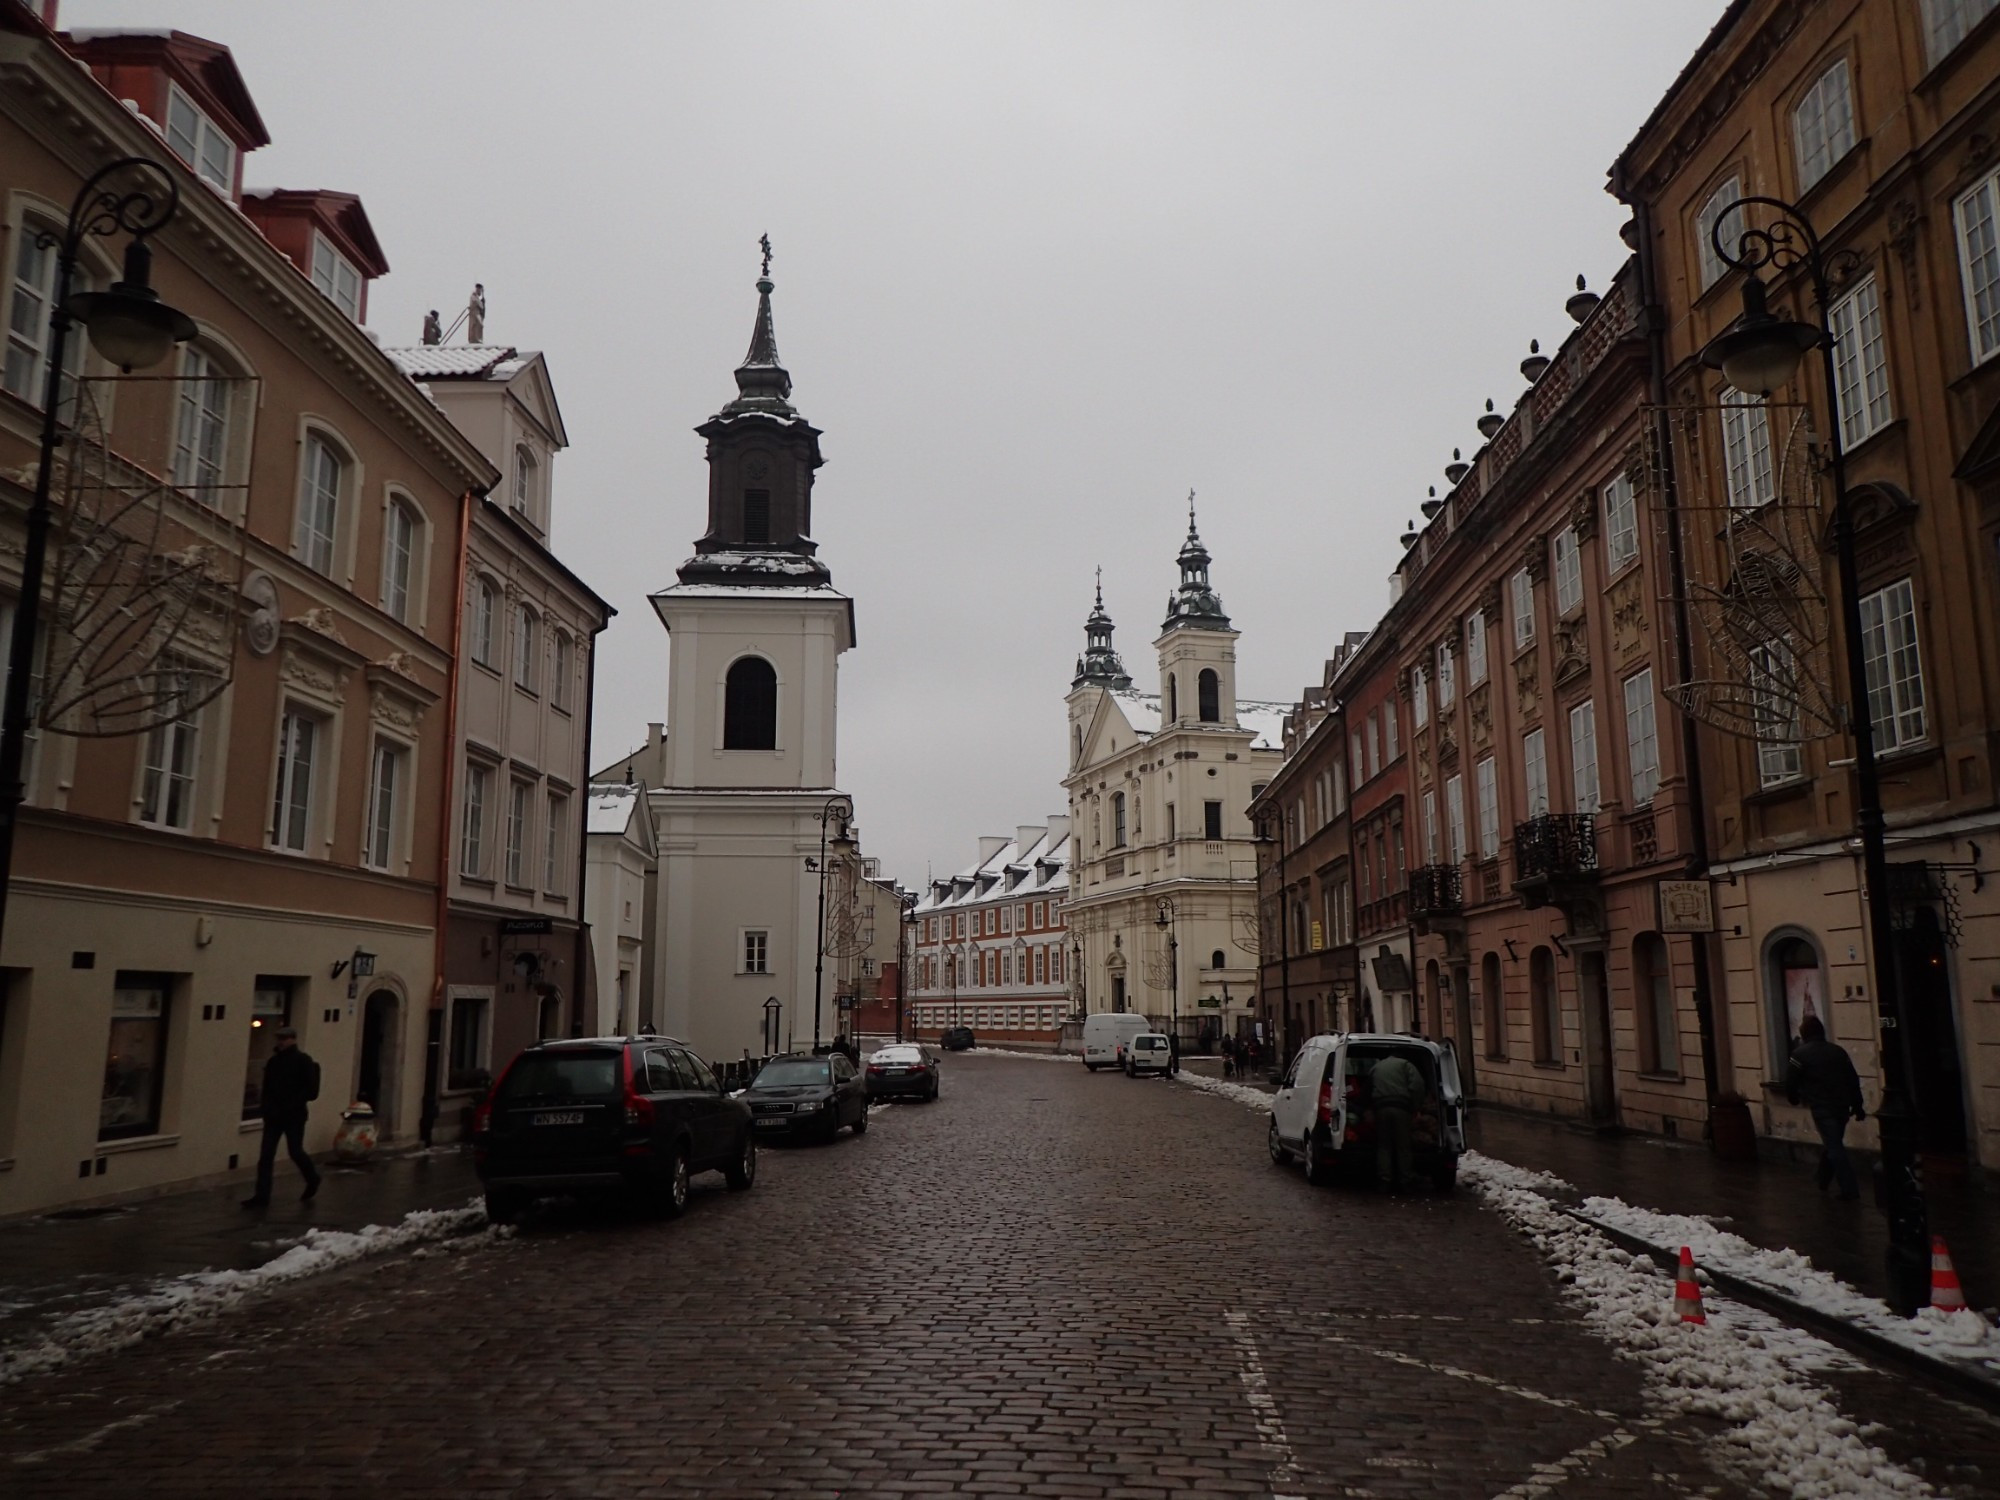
(1320, 1113)
(1107, 1036)
(1149, 1052)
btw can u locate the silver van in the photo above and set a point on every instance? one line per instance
(1321, 1113)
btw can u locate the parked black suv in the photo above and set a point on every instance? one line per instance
(636, 1115)
(958, 1039)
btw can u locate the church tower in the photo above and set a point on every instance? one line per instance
(1197, 647)
(756, 632)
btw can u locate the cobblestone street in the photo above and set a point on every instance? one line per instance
(1047, 1283)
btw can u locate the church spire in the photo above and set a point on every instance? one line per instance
(762, 383)
(1099, 662)
(1195, 603)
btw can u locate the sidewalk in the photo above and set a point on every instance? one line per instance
(54, 1265)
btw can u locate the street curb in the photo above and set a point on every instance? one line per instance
(1962, 1378)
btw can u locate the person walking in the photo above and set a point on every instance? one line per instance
(1173, 1052)
(1397, 1090)
(1228, 1057)
(291, 1083)
(1822, 1078)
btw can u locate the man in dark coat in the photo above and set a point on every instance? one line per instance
(1822, 1078)
(291, 1083)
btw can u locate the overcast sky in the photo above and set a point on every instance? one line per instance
(1041, 268)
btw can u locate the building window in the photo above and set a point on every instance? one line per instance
(1493, 1006)
(1746, 450)
(1719, 203)
(1895, 675)
(527, 649)
(517, 833)
(1454, 812)
(335, 276)
(1007, 919)
(1545, 1006)
(1430, 827)
(1583, 756)
(1211, 821)
(172, 752)
(1659, 1029)
(292, 803)
(1521, 590)
(555, 864)
(399, 548)
(1208, 689)
(1374, 751)
(469, 1029)
(1390, 747)
(1823, 124)
(1041, 907)
(1979, 264)
(1360, 766)
(1488, 791)
(319, 505)
(1420, 697)
(565, 668)
(385, 786)
(1447, 670)
(1567, 566)
(1860, 364)
(1642, 737)
(1535, 772)
(1621, 523)
(750, 705)
(1775, 710)
(198, 141)
(757, 518)
(33, 292)
(1949, 22)
(756, 951)
(135, 1066)
(270, 1008)
(524, 478)
(1475, 648)
(1797, 987)
(201, 428)
(1173, 699)
(485, 624)
(472, 829)
(1118, 820)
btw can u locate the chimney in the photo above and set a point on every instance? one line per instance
(1026, 836)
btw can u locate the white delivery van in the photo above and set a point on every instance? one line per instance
(1107, 1036)
(1149, 1052)
(1321, 1113)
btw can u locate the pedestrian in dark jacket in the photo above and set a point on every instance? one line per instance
(1822, 1078)
(1229, 1057)
(1397, 1090)
(291, 1083)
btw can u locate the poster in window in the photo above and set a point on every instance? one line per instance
(1804, 996)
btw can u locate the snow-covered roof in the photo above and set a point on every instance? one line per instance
(1009, 873)
(460, 361)
(1266, 721)
(748, 591)
(610, 809)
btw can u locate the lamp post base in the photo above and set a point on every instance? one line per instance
(1908, 1260)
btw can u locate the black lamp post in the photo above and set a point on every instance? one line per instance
(1165, 917)
(131, 327)
(842, 808)
(1756, 356)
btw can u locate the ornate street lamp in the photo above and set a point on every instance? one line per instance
(1757, 355)
(835, 807)
(132, 328)
(1165, 918)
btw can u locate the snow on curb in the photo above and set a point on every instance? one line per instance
(1038, 1056)
(1242, 1093)
(182, 1300)
(1783, 1425)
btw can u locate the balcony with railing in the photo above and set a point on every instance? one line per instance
(1555, 857)
(1436, 891)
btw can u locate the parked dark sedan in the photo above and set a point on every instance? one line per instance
(958, 1039)
(907, 1070)
(800, 1095)
(635, 1115)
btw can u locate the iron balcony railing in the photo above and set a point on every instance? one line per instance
(1436, 891)
(1555, 845)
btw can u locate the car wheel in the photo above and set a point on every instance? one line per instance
(1319, 1164)
(1090, 1067)
(861, 1121)
(744, 1171)
(1278, 1153)
(934, 1092)
(503, 1206)
(674, 1199)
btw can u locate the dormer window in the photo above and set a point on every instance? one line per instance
(198, 142)
(335, 275)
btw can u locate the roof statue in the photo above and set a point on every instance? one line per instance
(475, 315)
(1099, 662)
(1195, 603)
(433, 329)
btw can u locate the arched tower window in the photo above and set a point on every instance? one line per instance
(1173, 698)
(750, 705)
(1209, 687)
(1216, 960)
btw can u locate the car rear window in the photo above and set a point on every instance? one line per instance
(897, 1055)
(793, 1073)
(562, 1075)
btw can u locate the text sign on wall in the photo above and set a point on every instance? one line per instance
(1687, 906)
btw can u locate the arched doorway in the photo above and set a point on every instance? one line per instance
(381, 1058)
(549, 1024)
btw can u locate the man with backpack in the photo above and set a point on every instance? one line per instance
(291, 1082)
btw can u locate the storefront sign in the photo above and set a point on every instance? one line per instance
(1687, 906)
(525, 926)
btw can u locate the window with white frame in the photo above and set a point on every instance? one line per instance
(1566, 565)
(1447, 670)
(756, 951)
(171, 755)
(1374, 744)
(474, 834)
(1621, 523)
(1895, 674)
(199, 142)
(1746, 450)
(334, 274)
(1774, 705)
(1360, 766)
(1642, 737)
(565, 668)
(292, 802)
(1430, 827)
(1391, 740)
(524, 478)
(1949, 22)
(399, 553)
(556, 845)
(1823, 124)
(385, 791)
(1977, 213)
(527, 648)
(1488, 790)
(1475, 648)
(517, 833)
(201, 427)
(1860, 363)
(486, 623)
(1535, 772)
(1420, 697)
(1454, 811)
(29, 304)
(320, 480)
(1583, 757)
(1521, 593)
(1719, 204)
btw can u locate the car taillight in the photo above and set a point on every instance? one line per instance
(872, 1071)
(638, 1110)
(1326, 1102)
(920, 1067)
(482, 1118)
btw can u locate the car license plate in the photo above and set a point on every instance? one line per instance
(559, 1117)
(894, 1071)
(768, 1120)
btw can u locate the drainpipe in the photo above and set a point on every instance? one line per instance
(577, 1017)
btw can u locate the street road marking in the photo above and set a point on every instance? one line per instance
(91, 1439)
(1285, 1474)
(1548, 1476)
(1472, 1375)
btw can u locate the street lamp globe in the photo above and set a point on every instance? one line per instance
(1761, 352)
(129, 325)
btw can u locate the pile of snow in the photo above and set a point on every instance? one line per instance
(182, 1300)
(1784, 1426)
(1038, 1056)
(1242, 1093)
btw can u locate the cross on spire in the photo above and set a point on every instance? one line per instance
(764, 241)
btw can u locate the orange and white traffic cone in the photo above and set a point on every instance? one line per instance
(1946, 1294)
(1687, 1292)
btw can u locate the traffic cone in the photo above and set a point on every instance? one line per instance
(1946, 1294)
(1687, 1294)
